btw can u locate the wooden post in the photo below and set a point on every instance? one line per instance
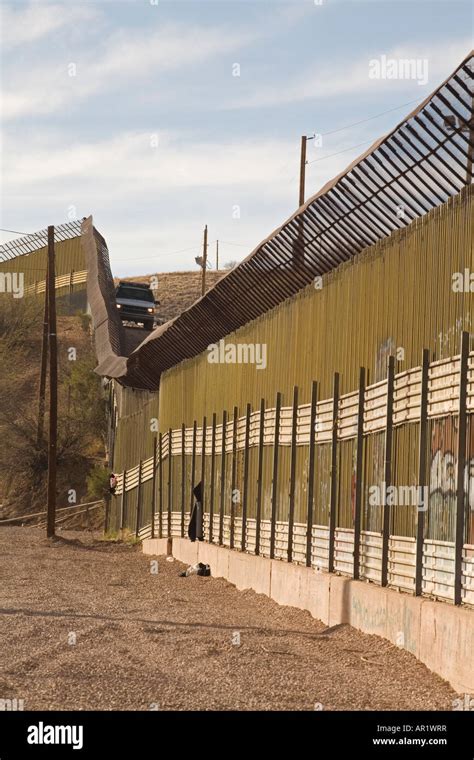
(53, 389)
(422, 472)
(258, 516)
(153, 491)
(139, 500)
(203, 470)
(302, 170)
(213, 476)
(276, 443)
(222, 504)
(358, 476)
(243, 543)
(461, 468)
(124, 500)
(170, 479)
(312, 443)
(193, 466)
(291, 515)
(233, 477)
(43, 368)
(204, 261)
(160, 491)
(387, 470)
(333, 497)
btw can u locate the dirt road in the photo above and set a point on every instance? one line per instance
(86, 624)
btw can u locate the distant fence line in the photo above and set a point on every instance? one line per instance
(272, 488)
(63, 281)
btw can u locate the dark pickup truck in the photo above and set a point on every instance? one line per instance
(136, 303)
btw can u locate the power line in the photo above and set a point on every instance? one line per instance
(343, 151)
(170, 253)
(370, 118)
(16, 232)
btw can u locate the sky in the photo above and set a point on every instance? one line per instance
(160, 116)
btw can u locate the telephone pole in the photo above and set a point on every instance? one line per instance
(44, 367)
(217, 255)
(302, 169)
(204, 261)
(53, 388)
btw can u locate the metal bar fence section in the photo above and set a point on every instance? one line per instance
(439, 393)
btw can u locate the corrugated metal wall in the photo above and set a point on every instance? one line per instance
(396, 297)
(69, 258)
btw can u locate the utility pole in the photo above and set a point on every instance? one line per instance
(217, 255)
(53, 388)
(204, 261)
(43, 370)
(302, 169)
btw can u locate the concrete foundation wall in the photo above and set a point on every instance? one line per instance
(438, 634)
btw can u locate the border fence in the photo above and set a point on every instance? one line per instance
(328, 484)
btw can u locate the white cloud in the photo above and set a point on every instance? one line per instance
(24, 25)
(124, 59)
(351, 78)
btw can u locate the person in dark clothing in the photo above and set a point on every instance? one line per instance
(195, 527)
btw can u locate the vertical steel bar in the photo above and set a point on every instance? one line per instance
(358, 474)
(243, 543)
(170, 480)
(222, 500)
(233, 478)
(311, 457)
(213, 475)
(333, 496)
(258, 513)
(183, 475)
(387, 470)
(291, 515)
(160, 492)
(276, 442)
(461, 467)
(422, 473)
(203, 469)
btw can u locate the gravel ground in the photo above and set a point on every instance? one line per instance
(146, 641)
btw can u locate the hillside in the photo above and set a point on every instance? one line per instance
(177, 290)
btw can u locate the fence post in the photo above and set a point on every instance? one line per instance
(387, 469)
(160, 495)
(153, 492)
(183, 475)
(291, 515)
(358, 476)
(203, 469)
(333, 497)
(222, 500)
(233, 477)
(124, 500)
(312, 443)
(422, 475)
(139, 500)
(170, 478)
(461, 467)
(246, 479)
(258, 516)
(276, 442)
(213, 475)
(193, 466)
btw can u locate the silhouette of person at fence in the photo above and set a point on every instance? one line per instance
(195, 522)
